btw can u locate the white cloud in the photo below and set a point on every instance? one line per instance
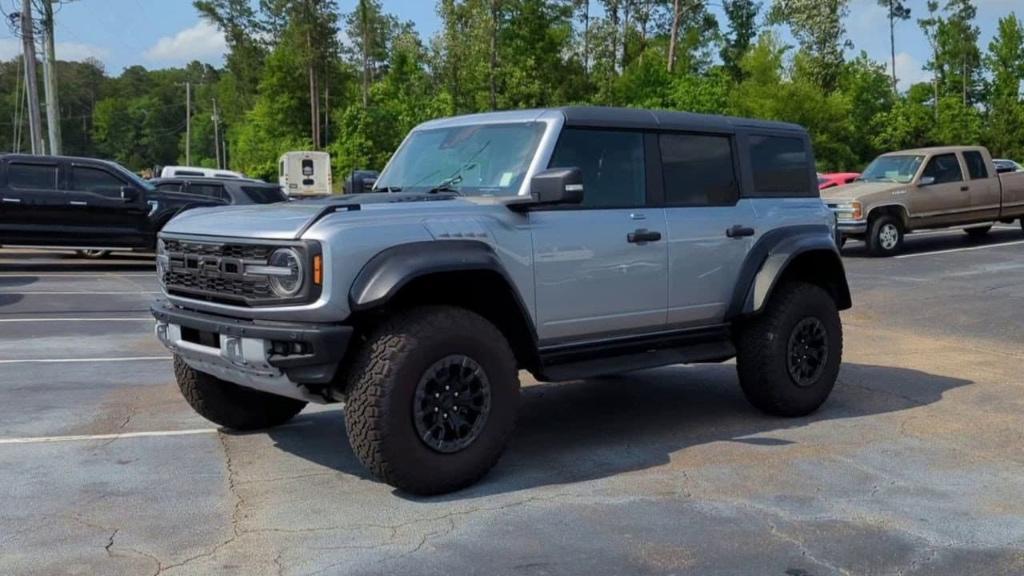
(202, 41)
(77, 51)
(908, 71)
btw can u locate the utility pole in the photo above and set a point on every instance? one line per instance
(35, 122)
(188, 122)
(50, 80)
(216, 134)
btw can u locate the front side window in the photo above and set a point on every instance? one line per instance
(86, 179)
(477, 160)
(612, 163)
(944, 168)
(976, 165)
(22, 176)
(698, 170)
(781, 166)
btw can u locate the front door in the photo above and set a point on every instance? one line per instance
(100, 213)
(946, 199)
(601, 268)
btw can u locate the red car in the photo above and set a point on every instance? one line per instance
(834, 179)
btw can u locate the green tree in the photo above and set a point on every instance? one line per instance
(1005, 133)
(897, 10)
(742, 23)
(818, 27)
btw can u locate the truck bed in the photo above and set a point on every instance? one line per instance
(1012, 184)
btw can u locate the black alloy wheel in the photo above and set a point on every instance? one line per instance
(452, 402)
(807, 351)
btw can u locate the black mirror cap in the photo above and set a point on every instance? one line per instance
(557, 186)
(360, 181)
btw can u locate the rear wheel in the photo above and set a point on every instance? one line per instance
(230, 405)
(978, 232)
(432, 397)
(885, 235)
(788, 357)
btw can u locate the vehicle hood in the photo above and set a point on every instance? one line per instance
(860, 191)
(289, 220)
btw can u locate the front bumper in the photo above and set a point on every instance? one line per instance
(852, 227)
(282, 358)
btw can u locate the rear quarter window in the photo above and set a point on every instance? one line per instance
(975, 165)
(781, 166)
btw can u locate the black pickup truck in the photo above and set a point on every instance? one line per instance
(86, 204)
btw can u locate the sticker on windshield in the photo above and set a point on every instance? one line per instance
(506, 179)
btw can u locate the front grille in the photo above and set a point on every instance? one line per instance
(215, 271)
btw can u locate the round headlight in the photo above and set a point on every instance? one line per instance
(286, 282)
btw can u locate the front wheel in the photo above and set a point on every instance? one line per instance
(432, 398)
(230, 405)
(885, 235)
(788, 357)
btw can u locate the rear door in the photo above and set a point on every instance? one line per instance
(946, 200)
(983, 187)
(703, 211)
(98, 211)
(30, 202)
(601, 268)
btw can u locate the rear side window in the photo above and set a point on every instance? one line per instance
(97, 181)
(188, 173)
(209, 190)
(169, 187)
(32, 176)
(698, 170)
(944, 168)
(781, 166)
(612, 163)
(264, 194)
(975, 165)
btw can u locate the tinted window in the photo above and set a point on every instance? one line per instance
(210, 190)
(612, 164)
(975, 165)
(781, 166)
(943, 168)
(188, 173)
(95, 180)
(169, 187)
(32, 176)
(698, 170)
(264, 194)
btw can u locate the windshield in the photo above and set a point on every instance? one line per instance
(483, 160)
(892, 169)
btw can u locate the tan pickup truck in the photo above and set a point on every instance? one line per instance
(910, 190)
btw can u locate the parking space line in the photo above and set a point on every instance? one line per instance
(138, 319)
(87, 437)
(84, 360)
(966, 249)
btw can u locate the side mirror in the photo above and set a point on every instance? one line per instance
(557, 186)
(927, 180)
(360, 181)
(129, 194)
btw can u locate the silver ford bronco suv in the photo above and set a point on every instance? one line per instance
(571, 243)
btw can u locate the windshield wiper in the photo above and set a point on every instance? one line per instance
(447, 185)
(387, 189)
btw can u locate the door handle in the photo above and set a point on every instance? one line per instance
(12, 200)
(739, 231)
(641, 235)
(78, 203)
(965, 188)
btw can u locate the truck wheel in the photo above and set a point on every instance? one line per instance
(230, 405)
(432, 397)
(885, 235)
(92, 254)
(978, 232)
(788, 357)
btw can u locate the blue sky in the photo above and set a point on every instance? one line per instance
(161, 33)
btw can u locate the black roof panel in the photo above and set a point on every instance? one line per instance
(598, 116)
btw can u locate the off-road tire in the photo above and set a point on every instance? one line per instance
(762, 346)
(230, 405)
(382, 381)
(877, 227)
(978, 232)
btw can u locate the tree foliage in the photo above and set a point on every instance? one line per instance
(299, 74)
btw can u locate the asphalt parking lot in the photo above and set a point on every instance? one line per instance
(914, 466)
